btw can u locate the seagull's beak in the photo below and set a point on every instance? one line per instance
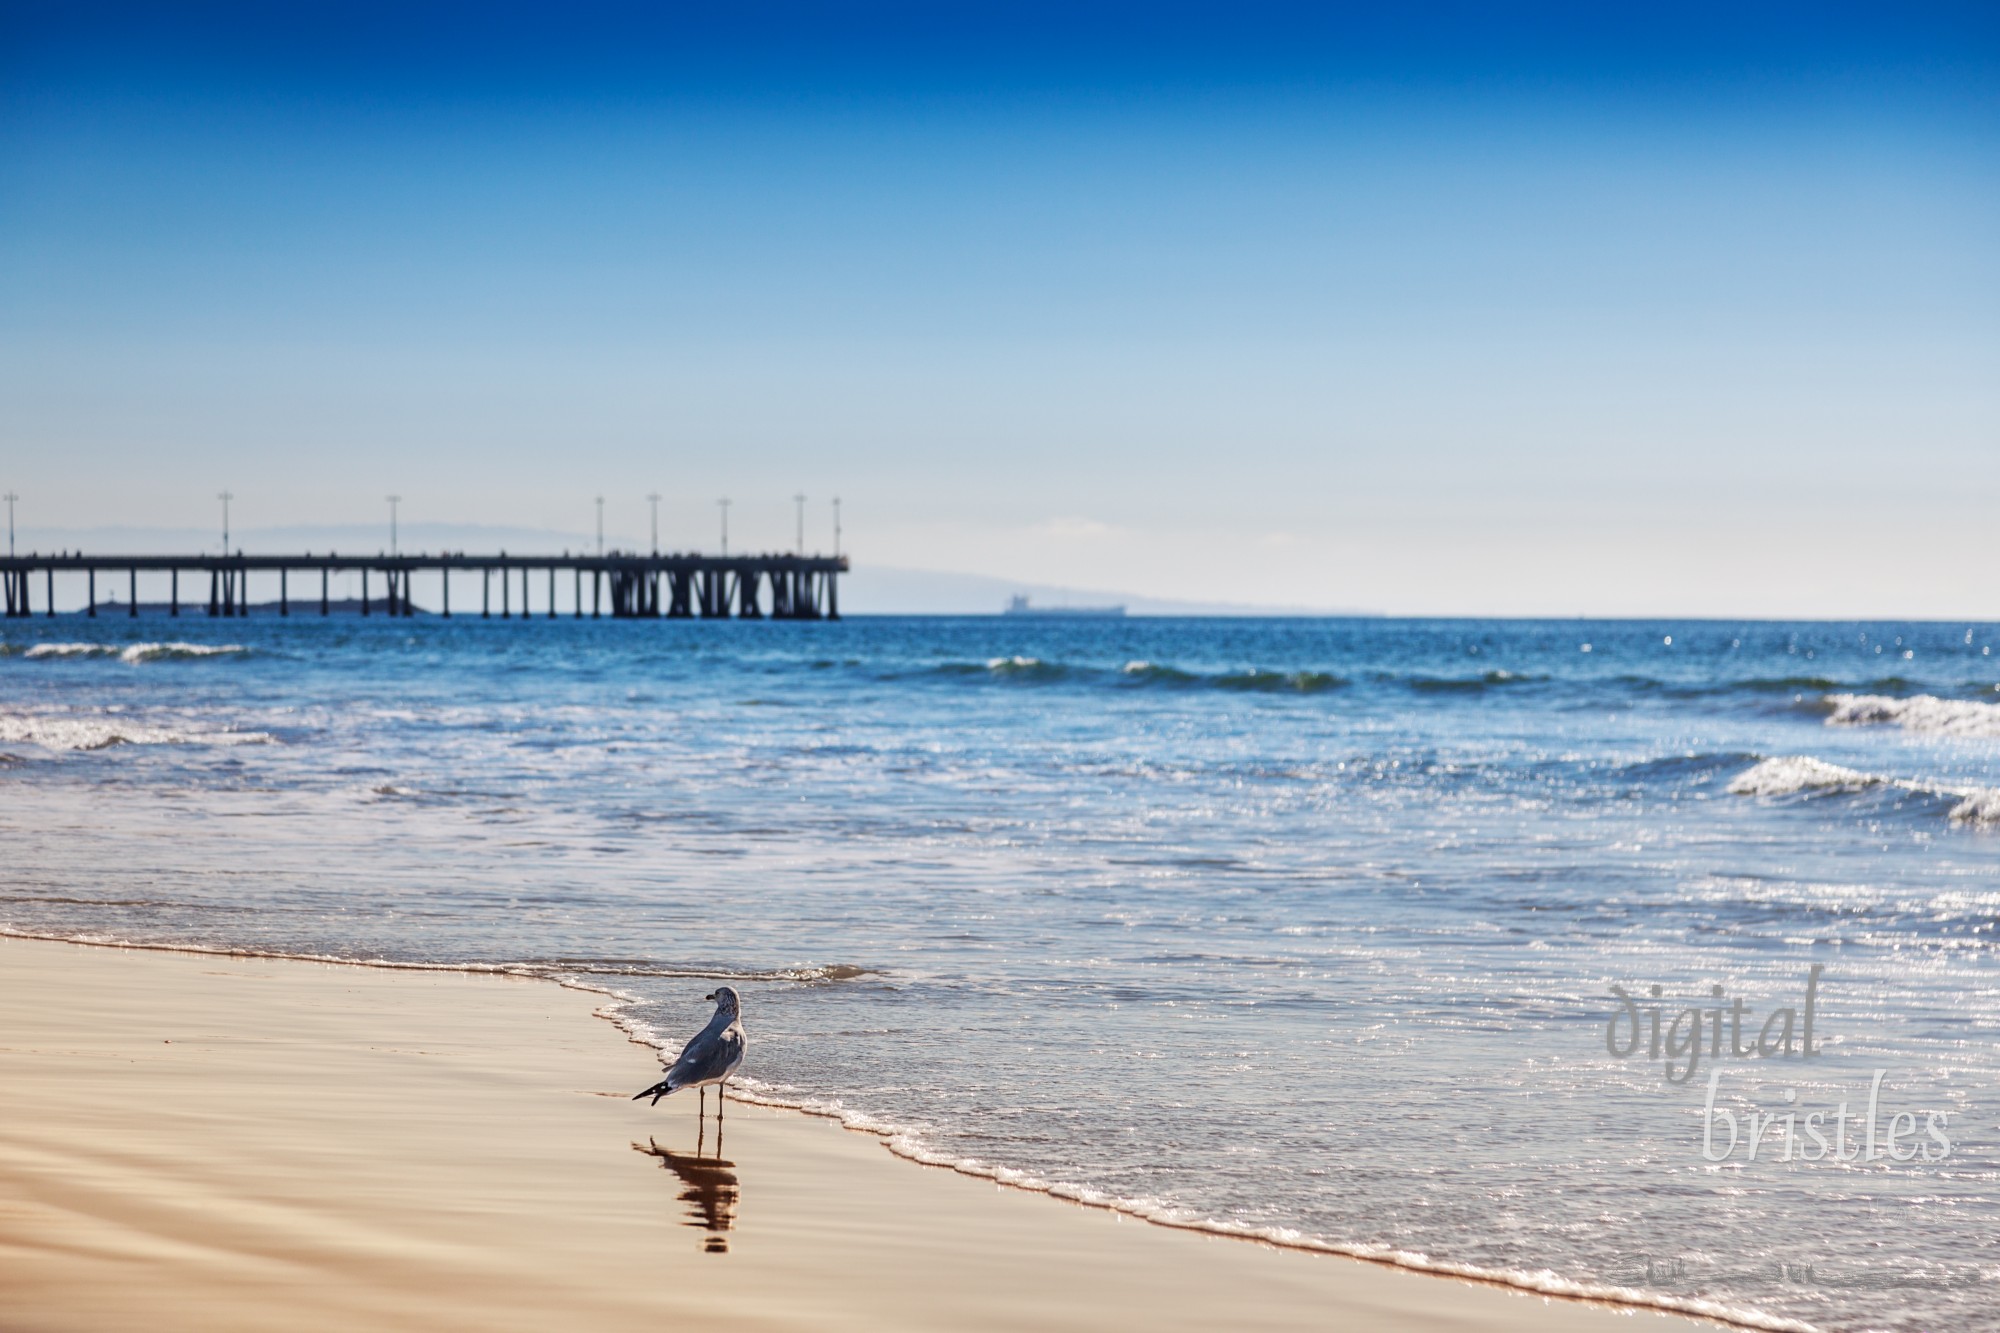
(709, 997)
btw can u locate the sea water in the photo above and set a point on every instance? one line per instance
(1391, 937)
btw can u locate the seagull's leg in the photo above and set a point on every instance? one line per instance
(721, 1095)
(703, 1091)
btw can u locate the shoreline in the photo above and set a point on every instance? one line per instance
(128, 1168)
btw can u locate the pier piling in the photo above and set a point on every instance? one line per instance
(623, 585)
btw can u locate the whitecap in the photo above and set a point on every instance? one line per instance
(1921, 712)
(70, 650)
(134, 653)
(148, 652)
(1980, 806)
(1790, 775)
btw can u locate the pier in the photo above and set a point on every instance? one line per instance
(618, 584)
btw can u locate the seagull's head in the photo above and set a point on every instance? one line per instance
(725, 999)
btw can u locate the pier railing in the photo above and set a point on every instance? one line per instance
(620, 584)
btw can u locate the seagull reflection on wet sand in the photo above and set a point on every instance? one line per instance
(709, 1188)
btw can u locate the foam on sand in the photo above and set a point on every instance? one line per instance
(186, 1146)
(1792, 775)
(909, 1143)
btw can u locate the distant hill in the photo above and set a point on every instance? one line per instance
(879, 590)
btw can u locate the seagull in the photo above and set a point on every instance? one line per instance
(710, 1056)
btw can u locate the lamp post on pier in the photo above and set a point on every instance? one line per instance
(836, 527)
(394, 500)
(800, 501)
(724, 504)
(654, 500)
(600, 526)
(225, 497)
(11, 498)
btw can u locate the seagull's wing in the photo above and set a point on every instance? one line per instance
(700, 1039)
(708, 1057)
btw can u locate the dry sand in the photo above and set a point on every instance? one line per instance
(193, 1142)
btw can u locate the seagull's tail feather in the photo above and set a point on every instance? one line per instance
(658, 1090)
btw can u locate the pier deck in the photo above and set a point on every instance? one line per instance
(619, 584)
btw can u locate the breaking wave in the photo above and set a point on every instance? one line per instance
(1921, 712)
(134, 652)
(1142, 672)
(1283, 682)
(1293, 682)
(1032, 668)
(1797, 685)
(1794, 775)
(1470, 684)
(99, 733)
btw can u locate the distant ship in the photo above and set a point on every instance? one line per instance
(1018, 606)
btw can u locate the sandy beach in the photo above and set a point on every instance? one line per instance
(192, 1141)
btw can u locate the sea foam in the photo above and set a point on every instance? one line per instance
(912, 1143)
(1790, 775)
(99, 733)
(1921, 712)
(134, 652)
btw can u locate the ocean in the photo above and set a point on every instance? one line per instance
(1490, 947)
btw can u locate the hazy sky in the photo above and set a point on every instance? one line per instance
(1427, 308)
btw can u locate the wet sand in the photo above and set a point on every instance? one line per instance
(195, 1142)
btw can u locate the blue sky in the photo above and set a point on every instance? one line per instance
(1445, 308)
